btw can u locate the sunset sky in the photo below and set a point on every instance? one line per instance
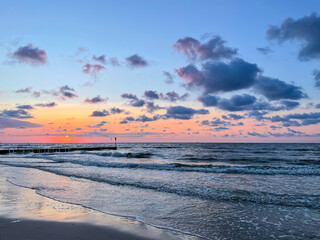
(160, 71)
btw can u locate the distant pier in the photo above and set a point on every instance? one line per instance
(50, 150)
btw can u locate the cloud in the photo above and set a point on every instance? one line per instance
(214, 49)
(218, 122)
(102, 113)
(99, 125)
(184, 113)
(115, 110)
(316, 74)
(114, 61)
(52, 104)
(289, 105)
(144, 118)
(136, 61)
(317, 106)
(169, 77)
(304, 30)
(219, 76)
(232, 116)
(30, 55)
(151, 94)
(255, 134)
(92, 69)
(20, 114)
(173, 96)
(6, 122)
(134, 100)
(24, 90)
(264, 50)
(102, 59)
(25, 107)
(274, 89)
(152, 107)
(96, 99)
(67, 92)
(245, 102)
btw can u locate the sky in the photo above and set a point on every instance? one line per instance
(159, 71)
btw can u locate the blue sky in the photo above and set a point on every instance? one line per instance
(121, 29)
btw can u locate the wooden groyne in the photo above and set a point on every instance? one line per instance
(50, 150)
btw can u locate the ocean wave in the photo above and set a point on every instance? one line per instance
(300, 170)
(120, 155)
(204, 192)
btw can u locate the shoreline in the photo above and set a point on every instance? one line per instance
(24, 215)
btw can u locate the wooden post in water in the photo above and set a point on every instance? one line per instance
(115, 141)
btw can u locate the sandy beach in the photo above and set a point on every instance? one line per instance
(32, 230)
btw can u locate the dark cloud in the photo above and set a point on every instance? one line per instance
(102, 113)
(67, 92)
(245, 102)
(219, 76)
(173, 96)
(184, 113)
(169, 77)
(127, 120)
(95, 100)
(136, 61)
(151, 94)
(218, 122)
(25, 107)
(214, 49)
(115, 110)
(264, 50)
(20, 114)
(99, 125)
(274, 89)
(232, 116)
(52, 104)
(6, 122)
(92, 69)
(24, 90)
(317, 106)
(255, 134)
(304, 30)
(316, 74)
(102, 59)
(289, 105)
(144, 118)
(30, 55)
(152, 107)
(134, 100)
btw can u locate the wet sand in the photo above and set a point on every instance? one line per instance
(25, 215)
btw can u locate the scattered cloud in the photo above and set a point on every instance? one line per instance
(184, 113)
(25, 107)
(304, 30)
(96, 100)
(92, 69)
(134, 100)
(51, 104)
(264, 50)
(30, 55)
(316, 74)
(102, 113)
(214, 49)
(136, 61)
(20, 114)
(102, 59)
(169, 77)
(6, 122)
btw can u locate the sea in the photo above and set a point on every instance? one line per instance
(210, 190)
